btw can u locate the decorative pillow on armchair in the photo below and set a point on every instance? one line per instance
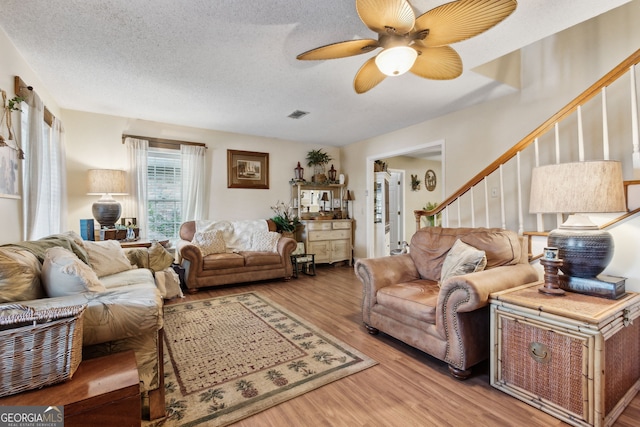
(462, 259)
(209, 242)
(64, 274)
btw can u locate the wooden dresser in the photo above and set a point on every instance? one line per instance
(574, 356)
(330, 240)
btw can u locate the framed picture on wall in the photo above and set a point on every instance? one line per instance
(430, 180)
(9, 173)
(247, 169)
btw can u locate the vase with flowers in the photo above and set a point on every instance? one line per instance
(285, 219)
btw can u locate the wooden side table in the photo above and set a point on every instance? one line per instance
(103, 391)
(140, 243)
(574, 356)
(306, 262)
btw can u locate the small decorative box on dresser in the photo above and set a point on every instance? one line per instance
(329, 240)
(576, 357)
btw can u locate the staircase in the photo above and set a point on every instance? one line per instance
(498, 196)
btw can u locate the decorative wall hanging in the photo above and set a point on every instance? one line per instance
(430, 180)
(247, 169)
(10, 151)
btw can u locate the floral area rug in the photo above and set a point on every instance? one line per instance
(230, 357)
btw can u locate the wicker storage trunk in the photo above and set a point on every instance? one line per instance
(574, 357)
(38, 348)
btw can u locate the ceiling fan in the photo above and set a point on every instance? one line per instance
(418, 45)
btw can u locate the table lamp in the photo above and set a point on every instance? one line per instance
(106, 182)
(348, 196)
(575, 189)
(325, 199)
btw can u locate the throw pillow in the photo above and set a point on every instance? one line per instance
(19, 275)
(138, 257)
(64, 274)
(209, 242)
(159, 257)
(168, 283)
(265, 241)
(107, 257)
(462, 259)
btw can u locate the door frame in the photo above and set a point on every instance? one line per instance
(370, 178)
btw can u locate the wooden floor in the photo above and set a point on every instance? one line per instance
(407, 388)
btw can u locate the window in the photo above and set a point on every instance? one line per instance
(164, 187)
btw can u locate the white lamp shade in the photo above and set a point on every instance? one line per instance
(395, 61)
(580, 187)
(107, 181)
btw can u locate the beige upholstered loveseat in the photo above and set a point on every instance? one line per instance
(123, 307)
(239, 255)
(448, 320)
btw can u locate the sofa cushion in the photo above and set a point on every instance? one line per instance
(430, 245)
(107, 257)
(64, 274)
(220, 261)
(462, 259)
(417, 299)
(253, 259)
(209, 242)
(19, 275)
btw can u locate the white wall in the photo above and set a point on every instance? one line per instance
(95, 141)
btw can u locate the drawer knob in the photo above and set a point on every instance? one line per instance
(539, 352)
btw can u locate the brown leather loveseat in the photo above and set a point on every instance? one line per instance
(450, 320)
(236, 264)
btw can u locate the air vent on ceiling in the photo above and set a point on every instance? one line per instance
(298, 114)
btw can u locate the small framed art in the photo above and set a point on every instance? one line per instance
(247, 169)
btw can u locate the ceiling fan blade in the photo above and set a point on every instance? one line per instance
(368, 76)
(384, 16)
(461, 20)
(340, 49)
(437, 63)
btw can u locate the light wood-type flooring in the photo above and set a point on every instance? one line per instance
(407, 388)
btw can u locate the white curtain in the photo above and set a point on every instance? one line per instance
(43, 176)
(136, 203)
(193, 182)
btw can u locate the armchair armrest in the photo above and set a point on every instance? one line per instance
(377, 273)
(460, 316)
(471, 291)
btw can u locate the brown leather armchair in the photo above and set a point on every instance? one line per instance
(402, 297)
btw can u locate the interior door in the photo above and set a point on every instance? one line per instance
(396, 208)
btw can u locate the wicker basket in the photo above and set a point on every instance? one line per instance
(38, 347)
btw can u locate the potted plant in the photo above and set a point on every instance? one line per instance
(431, 220)
(415, 183)
(318, 159)
(286, 222)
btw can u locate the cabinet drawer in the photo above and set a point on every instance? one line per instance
(329, 235)
(318, 225)
(342, 225)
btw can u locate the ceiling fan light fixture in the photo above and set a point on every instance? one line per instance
(395, 61)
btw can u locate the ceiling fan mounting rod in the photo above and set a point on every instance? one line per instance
(387, 41)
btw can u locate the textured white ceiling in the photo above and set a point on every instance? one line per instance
(230, 65)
